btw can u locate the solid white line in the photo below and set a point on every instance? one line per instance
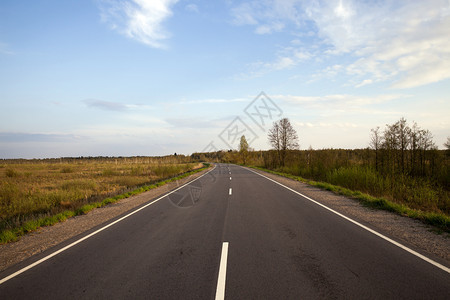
(220, 291)
(229, 193)
(94, 233)
(436, 264)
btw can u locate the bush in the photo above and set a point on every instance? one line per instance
(11, 173)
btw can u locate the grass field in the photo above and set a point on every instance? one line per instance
(33, 190)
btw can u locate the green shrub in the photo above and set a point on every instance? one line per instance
(7, 236)
(67, 170)
(11, 173)
(109, 172)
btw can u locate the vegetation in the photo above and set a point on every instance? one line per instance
(283, 137)
(401, 171)
(440, 220)
(243, 149)
(35, 193)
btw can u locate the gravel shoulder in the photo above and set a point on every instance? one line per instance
(47, 237)
(412, 233)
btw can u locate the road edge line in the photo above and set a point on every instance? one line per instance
(423, 257)
(24, 269)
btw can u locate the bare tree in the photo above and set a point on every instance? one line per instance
(425, 143)
(403, 133)
(390, 144)
(376, 141)
(282, 137)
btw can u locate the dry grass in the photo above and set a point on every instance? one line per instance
(32, 189)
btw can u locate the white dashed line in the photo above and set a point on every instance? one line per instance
(230, 192)
(220, 291)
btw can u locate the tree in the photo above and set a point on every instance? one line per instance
(282, 137)
(404, 149)
(403, 133)
(243, 149)
(376, 141)
(447, 145)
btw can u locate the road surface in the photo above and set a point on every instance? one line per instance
(230, 233)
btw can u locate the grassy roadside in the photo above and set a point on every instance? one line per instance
(439, 220)
(11, 235)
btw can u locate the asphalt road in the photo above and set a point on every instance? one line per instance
(280, 246)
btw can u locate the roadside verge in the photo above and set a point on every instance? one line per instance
(440, 221)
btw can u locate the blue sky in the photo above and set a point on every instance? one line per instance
(137, 77)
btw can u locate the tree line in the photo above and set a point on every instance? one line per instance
(404, 149)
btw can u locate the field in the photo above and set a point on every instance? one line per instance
(33, 190)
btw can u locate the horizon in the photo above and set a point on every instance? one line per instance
(152, 78)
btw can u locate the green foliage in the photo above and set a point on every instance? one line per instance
(130, 182)
(11, 173)
(7, 236)
(80, 184)
(109, 172)
(67, 169)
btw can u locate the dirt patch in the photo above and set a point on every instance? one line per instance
(47, 237)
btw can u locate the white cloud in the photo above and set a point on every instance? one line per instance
(111, 105)
(140, 20)
(404, 42)
(105, 105)
(340, 104)
(186, 122)
(26, 137)
(286, 58)
(269, 28)
(192, 7)
(364, 82)
(214, 101)
(267, 15)
(340, 99)
(327, 125)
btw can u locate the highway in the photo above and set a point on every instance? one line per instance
(231, 233)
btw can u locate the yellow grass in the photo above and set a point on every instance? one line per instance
(33, 188)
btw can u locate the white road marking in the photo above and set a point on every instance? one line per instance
(94, 233)
(230, 178)
(436, 264)
(220, 291)
(229, 193)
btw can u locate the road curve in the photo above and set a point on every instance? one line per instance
(279, 245)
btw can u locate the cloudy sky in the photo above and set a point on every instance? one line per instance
(154, 77)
